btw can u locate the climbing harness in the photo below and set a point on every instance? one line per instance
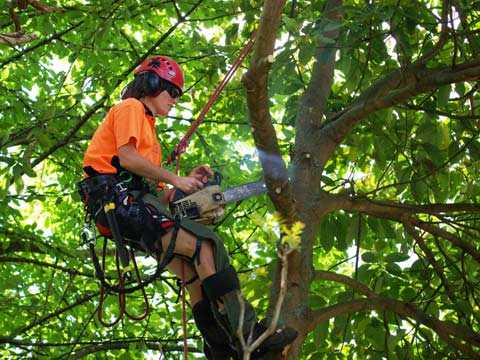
(100, 194)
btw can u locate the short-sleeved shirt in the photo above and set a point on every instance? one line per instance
(126, 122)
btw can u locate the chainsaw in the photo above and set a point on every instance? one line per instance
(207, 205)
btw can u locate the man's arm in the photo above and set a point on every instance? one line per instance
(131, 160)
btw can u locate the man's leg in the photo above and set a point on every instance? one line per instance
(194, 289)
(216, 343)
(186, 245)
(221, 285)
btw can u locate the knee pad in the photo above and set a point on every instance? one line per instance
(221, 283)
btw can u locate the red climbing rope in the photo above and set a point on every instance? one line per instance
(183, 143)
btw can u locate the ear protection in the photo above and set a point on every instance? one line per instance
(152, 84)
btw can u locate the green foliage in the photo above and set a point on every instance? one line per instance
(424, 150)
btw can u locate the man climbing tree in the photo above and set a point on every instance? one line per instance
(372, 106)
(123, 162)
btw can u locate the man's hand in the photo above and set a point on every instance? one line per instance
(187, 184)
(202, 173)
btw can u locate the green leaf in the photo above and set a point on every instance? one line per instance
(394, 269)
(443, 95)
(464, 306)
(369, 257)
(320, 333)
(396, 257)
(376, 334)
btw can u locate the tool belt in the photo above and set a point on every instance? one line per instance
(114, 203)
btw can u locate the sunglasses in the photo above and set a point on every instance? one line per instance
(173, 91)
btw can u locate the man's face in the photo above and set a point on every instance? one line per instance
(163, 102)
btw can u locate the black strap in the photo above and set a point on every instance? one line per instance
(116, 234)
(196, 254)
(118, 288)
(90, 171)
(170, 253)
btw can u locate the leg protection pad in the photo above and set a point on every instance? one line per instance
(221, 283)
(217, 345)
(223, 286)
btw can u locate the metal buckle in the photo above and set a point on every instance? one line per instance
(121, 187)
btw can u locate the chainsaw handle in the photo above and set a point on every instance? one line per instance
(217, 179)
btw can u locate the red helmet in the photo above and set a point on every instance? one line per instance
(163, 66)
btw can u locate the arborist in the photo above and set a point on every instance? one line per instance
(123, 164)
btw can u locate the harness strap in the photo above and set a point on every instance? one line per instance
(198, 248)
(109, 210)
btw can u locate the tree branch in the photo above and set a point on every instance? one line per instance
(4, 259)
(417, 81)
(397, 213)
(446, 6)
(306, 158)
(40, 44)
(16, 38)
(436, 266)
(48, 317)
(264, 135)
(379, 303)
(251, 344)
(352, 283)
(444, 330)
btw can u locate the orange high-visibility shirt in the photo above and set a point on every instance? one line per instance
(126, 122)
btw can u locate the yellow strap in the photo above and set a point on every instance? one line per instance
(109, 206)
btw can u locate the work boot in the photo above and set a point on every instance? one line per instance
(223, 287)
(216, 343)
(275, 342)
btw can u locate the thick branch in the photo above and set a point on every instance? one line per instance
(400, 214)
(255, 82)
(391, 209)
(454, 240)
(444, 329)
(307, 173)
(40, 44)
(422, 81)
(354, 284)
(313, 102)
(16, 38)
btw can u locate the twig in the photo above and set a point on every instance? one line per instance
(247, 346)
